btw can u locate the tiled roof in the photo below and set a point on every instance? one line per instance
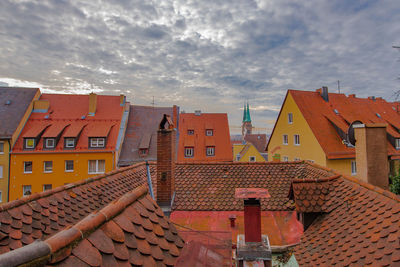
(339, 112)
(68, 114)
(142, 124)
(360, 223)
(258, 140)
(211, 186)
(218, 122)
(41, 215)
(14, 102)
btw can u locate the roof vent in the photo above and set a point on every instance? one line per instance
(83, 117)
(378, 115)
(197, 112)
(336, 111)
(8, 102)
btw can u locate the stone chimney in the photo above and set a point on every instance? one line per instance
(92, 104)
(253, 247)
(372, 154)
(166, 145)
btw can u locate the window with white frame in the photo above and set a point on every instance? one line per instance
(69, 166)
(69, 142)
(28, 166)
(29, 143)
(290, 118)
(97, 166)
(285, 139)
(285, 158)
(397, 143)
(1, 196)
(210, 151)
(50, 142)
(47, 166)
(237, 157)
(189, 152)
(252, 159)
(1, 147)
(296, 140)
(26, 190)
(1, 171)
(47, 187)
(97, 142)
(353, 167)
(209, 132)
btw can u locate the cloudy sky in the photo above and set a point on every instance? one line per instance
(208, 55)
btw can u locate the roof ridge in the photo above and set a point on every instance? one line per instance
(366, 185)
(239, 163)
(316, 180)
(71, 234)
(36, 196)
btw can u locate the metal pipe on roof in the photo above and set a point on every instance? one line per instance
(149, 180)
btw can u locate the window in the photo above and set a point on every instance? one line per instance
(285, 158)
(143, 151)
(353, 167)
(47, 166)
(296, 140)
(97, 142)
(1, 171)
(30, 143)
(252, 159)
(296, 159)
(1, 196)
(290, 118)
(189, 152)
(97, 166)
(210, 151)
(237, 157)
(190, 132)
(26, 190)
(397, 143)
(27, 166)
(1, 147)
(47, 187)
(209, 132)
(285, 139)
(69, 166)
(69, 142)
(310, 160)
(50, 142)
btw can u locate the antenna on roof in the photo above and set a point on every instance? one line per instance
(338, 86)
(152, 102)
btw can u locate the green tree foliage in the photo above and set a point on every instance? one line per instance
(395, 179)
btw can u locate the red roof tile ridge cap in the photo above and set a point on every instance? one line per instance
(37, 252)
(240, 163)
(36, 196)
(93, 221)
(316, 180)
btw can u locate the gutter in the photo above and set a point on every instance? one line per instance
(149, 180)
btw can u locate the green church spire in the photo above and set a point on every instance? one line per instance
(246, 113)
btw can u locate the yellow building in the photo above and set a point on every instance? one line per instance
(314, 126)
(246, 153)
(67, 137)
(15, 107)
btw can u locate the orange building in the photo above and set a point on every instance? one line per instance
(67, 137)
(204, 137)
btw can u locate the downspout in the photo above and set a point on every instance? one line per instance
(149, 180)
(9, 169)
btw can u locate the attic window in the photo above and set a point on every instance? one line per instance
(50, 142)
(378, 115)
(29, 143)
(143, 151)
(397, 143)
(69, 142)
(290, 118)
(209, 132)
(336, 111)
(97, 142)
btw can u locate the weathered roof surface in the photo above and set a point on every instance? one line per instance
(142, 124)
(70, 112)
(218, 122)
(321, 117)
(258, 140)
(211, 186)
(41, 215)
(14, 102)
(360, 223)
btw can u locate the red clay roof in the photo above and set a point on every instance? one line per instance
(211, 186)
(360, 223)
(72, 110)
(132, 229)
(259, 141)
(218, 122)
(321, 116)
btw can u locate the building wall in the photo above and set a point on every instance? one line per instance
(309, 148)
(340, 165)
(58, 176)
(4, 166)
(251, 152)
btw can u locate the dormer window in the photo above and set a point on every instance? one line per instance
(49, 142)
(190, 132)
(29, 143)
(69, 142)
(397, 143)
(97, 142)
(143, 152)
(209, 132)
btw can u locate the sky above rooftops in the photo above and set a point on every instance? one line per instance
(207, 55)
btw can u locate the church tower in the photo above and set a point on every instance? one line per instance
(246, 123)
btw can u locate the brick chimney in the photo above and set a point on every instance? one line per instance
(166, 145)
(372, 154)
(92, 104)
